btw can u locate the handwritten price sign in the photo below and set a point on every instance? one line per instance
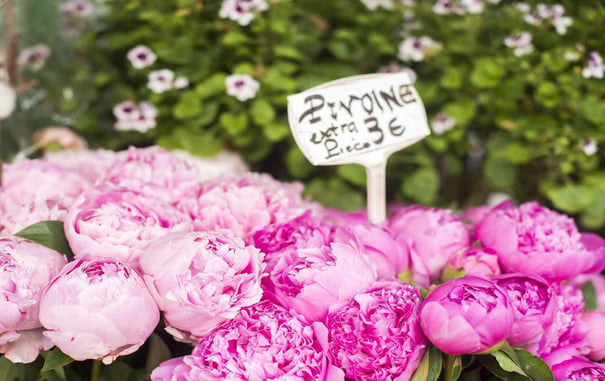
(361, 119)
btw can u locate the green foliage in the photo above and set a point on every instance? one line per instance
(520, 120)
(49, 234)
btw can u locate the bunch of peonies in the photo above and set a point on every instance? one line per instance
(269, 286)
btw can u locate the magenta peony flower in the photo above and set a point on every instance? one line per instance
(533, 239)
(26, 268)
(377, 335)
(245, 205)
(475, 261)
(265, 342)
(432, 236)
(534, 305)
(473, 216)
(578, 369)
(92, 164)
(153, 172)
(201, 280)
(109, 222)
(98, 309)
(591, 323)
(467, 315)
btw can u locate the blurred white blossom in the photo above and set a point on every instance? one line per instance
(8, 99)
(397, 68)
(594, 67)
(161, 80)
(375, 4)
(77, 8)
(242, 11)
(241, 86)
(415, 48)
(134, 117)
(141, 57)
(34, 57)
(442, 123)
(496, 198)
(181, 82)
(521, 43)
(590, 147)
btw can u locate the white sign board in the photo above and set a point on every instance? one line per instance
(361, 119)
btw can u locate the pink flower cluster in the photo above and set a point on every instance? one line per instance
(269, 286)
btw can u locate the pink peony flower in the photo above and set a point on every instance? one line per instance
(91, 164)
(377, 335)
(14, 218)
(578, 369)
(241, 86)
(141, 57)
(591, 323)
(26, 268)
(533, 239)
(153, 172)
(109, 222)
(432, 236)
(265, 343)
(475, 261)
(201, 280)
(467, 315)
(534, 305)
(473, 216)
(245, 205)
(98, 309)
(598, 282)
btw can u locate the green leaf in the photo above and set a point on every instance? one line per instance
(157, 352)
(334, 193)
(500, 172)
(490, 363)
(354, 173)
(547, 94)
(287, 51)
(452, 79)
(518, 153)
(189, 106)
(571, 198)
(486, 73)
(422, 372)
(55, 360)
(49, 234)
(119, 370)
(453, 367)
(234, 123)
(590, 296)
(298, 165)
(435, 364)
(507, 363)
(462, 110)
(234, 38)
(276, 131)
(262, 112)
(211, 86)
(198, 143)
(18, 372)
(534, 367)
(422, 185)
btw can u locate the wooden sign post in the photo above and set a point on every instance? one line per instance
(363, 120)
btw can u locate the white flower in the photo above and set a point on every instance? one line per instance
(523, 7)
(242, 11)
(473, 6)
(532, 19)
(544, 11)
(181, 82)
(571, 55)
(442, 123)
(241, 86)
(496, 198)
(561, 24)
(396, 68)
(520, 42)
(34, 57)
(443, 7)
(414, 48)
(136, 118)
(590, 147)
(77, 8)
(594, 67)
(141, 57)
(8, 99)
(375, 4)
(161, 80)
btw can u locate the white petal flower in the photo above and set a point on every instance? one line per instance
(242, 11)
(442, 123)
(375, 4)
(8, 99)
(520, 42)
(141, 57)
(77, 8)
(241, 86)
(473, 6)
(594, 67)
(496, 198)
(561, 24)
(34, 57)
(443, 7)
(590, 147)
(181, 82)
(126, 111)
(161, 80)
(135, 118)
(523, 7)
(532, 19)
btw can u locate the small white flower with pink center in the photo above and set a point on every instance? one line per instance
(161, 80)
(414, 48)
(34, 57)
(241, 86)
(442, 123)
(443, 7)
(590, 147)
(242, 11)
(77, 8)
(521, 43)
(472, 6)
(523, 7)
(397, 68)
(594, 67)
(375, 4)
(132, 117)
(141, 57)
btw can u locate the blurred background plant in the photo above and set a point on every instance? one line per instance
(514, 91)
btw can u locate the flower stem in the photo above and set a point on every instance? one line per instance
(95, 373)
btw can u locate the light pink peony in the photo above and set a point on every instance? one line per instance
(432, 236)
(98, 309)
(109, 222)
(245, 205)
(15, 218)
(377, 336)
(467, 315)
(533, 239)
(476, 261)
(26, 268)
(533, 303)
(92, 164)
(265, 342)
(201, 280)
(592, 323)
(153, 172)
